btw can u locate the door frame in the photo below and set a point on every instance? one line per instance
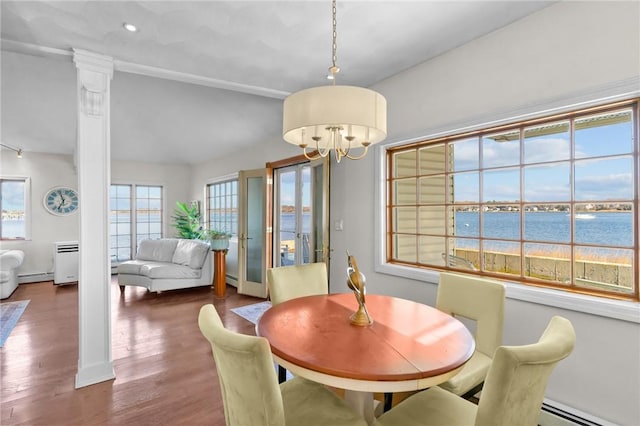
(291, 161)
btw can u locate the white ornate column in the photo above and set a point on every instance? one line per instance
(93, 158)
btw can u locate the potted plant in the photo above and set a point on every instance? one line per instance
(186, 219)
(218, 240)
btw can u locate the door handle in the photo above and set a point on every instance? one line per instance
(242, 240)
(325, 251)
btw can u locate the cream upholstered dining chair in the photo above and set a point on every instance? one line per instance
(513, 390)
(289, 282)
(250, 391)
(481, 300)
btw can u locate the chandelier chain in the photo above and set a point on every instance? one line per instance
(334, 46)
(334, 69)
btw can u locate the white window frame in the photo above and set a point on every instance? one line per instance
(134, 223)
(214, 181)
(28, 211)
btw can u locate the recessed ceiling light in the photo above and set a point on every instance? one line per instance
(130, 27)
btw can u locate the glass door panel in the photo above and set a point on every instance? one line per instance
(252, 235)
(301, 213)
(293, 214)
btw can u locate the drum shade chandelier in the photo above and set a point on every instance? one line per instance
(334, 118)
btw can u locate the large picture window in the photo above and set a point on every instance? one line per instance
(136, 214)
(551, 202)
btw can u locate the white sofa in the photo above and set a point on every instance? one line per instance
(10, 261)
(168, 264)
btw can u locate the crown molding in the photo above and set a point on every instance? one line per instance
(35, 50)
(146, 70)
(166, 74)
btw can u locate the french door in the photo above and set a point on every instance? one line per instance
(301, 213)
(252, 236)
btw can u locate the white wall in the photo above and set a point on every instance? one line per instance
(568, 52)
(49, 170)
(45, 171)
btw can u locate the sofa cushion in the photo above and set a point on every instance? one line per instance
(131, 267)
(190, 253)
(168, 270)
(157, 250)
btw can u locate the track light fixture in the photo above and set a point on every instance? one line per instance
(18, 151)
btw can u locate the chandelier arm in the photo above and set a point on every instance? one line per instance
(351, 157)
(323, 152)
(345, 152)
(309, 157)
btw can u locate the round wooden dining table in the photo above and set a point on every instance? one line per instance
(409, 346)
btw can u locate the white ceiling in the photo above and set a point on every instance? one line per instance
(246, 55)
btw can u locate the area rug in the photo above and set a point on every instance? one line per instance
(10, 313)
(252, 312)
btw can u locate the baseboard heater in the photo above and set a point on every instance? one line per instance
(65, 263)
(568, 417)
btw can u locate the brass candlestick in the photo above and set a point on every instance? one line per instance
(356, 282)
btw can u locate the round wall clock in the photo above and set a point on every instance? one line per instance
(61, 201)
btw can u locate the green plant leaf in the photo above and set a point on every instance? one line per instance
(186, 219)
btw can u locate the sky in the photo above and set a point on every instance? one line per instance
(595, 178)
(12, 195)
(288, 184)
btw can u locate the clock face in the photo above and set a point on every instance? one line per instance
(61, 201)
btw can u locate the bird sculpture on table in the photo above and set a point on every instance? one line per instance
(356, 282)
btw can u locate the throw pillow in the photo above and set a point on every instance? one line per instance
(191, 253)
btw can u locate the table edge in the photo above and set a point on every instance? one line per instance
(363, 385)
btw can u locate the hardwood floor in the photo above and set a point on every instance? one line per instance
(165, 374)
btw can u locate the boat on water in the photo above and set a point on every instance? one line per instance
(585, 216)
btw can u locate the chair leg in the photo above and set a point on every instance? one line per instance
(282, 374)
(388, 400)
(471, 393)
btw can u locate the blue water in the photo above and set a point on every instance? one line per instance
(597, 228)
(288, 225)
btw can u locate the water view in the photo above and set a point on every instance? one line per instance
(594, 228)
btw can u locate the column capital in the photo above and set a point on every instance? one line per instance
(90, 61)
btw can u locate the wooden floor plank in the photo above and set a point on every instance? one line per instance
(165, 374)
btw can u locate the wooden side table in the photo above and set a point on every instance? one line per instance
(219, 273)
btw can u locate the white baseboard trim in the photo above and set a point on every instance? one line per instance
(35, 277)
